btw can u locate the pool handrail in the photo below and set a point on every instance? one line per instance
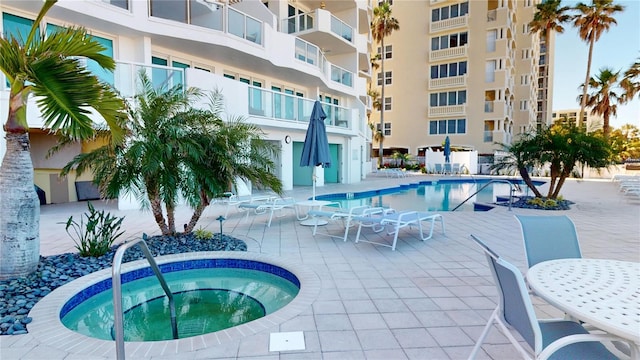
(512, 190)
(118, 312)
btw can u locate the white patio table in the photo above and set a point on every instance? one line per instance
(312, 205)
(602, 293)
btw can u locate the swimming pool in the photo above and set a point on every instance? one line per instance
(437, 195)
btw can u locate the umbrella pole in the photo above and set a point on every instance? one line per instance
(314, 183)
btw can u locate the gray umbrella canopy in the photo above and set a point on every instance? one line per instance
(447, 150)
(315, 151)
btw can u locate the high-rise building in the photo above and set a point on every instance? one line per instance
(467, 69)
(271, 60)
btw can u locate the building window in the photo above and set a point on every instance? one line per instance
(447, 126)
(449, 41)
(524, 105)
(119, 3)
(387, 104)
(448, 70)
(387, 78)
(526, 53)
(448, 98)
(543, 59)
(388, 51)
(449, 12)
(525, 28)
(491, 40)
(387, 128)
(524, 79)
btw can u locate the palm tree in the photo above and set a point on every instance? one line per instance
(631, 82)
(174, 151)
(51, 69)
(520, 157)
(383, 25)
(548, 18)
(604, 98)
(592, 21)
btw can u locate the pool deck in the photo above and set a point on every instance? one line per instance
(426, 300)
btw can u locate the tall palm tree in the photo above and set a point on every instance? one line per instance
(631, 82)
(50, 69)
(549, 17)
(604, 98)
(383, 25)
(591, 21)
(174, 152)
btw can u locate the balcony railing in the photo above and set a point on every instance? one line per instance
(244, 26)
(127, 75)
(448, 24)
(492, 15)
(448, 82)
(341, 29)
(488, 106)
(341, 76)
(307, 21)
(297, 23)
(446, 110)
(278, 105)
(450, 53)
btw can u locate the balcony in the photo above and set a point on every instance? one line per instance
(323, 29)
(454, 81)
(446, 54)
(281, 106)
(449, 24)
(341, 76)
(452, 110)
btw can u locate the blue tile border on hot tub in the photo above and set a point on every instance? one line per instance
(106, 284)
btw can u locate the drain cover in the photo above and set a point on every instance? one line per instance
(286, 341)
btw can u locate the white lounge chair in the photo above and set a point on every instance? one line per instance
(270, 206)
(346, 216)
(242, 195)
(397, 221)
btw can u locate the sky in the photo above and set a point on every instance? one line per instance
(618, 49)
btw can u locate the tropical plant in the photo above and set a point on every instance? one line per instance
(561, 146)
(203, 234)
(174, 151)
(592, 21)
(50, 68)
(549, 17)
(97, 235)
(625, 143)
(604, 98)
(631, 82)
(519, 156)
(382, 26)
(404, 158)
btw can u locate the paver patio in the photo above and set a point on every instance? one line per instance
(426, 300)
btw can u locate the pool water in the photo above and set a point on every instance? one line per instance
(426, 196)
(207, 300)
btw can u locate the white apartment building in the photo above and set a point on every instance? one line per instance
(467, 69)
(271, 59)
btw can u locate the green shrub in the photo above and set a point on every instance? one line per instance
(550, 203)
(202, 234)
(97, 235)
(536, 201)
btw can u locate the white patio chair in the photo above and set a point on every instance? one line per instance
(332, 212)
(549, 338)
(263, 207)
(397, 221)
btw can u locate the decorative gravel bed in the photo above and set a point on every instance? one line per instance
(523, 202)
(19, 295)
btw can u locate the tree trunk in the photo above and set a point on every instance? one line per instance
(171, 218)
(156, 209)
(20, 210)
(554, 173)
(197, 213)
(527, 180)
(380, 156)
(583, 103)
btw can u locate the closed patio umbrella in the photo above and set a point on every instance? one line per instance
(447, 150)
(315, 151)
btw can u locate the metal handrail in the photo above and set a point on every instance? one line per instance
(118, 312)
(512, 189)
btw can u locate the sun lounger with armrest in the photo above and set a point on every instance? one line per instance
(397, 221)
(346, 216)
(271, 206)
